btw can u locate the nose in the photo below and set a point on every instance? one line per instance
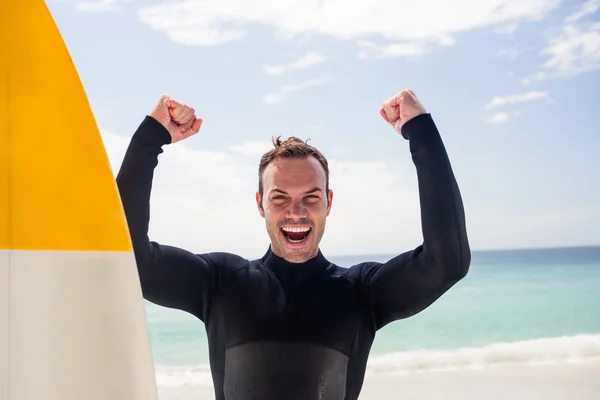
(296, 211)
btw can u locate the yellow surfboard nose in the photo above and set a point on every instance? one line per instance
(57, 191)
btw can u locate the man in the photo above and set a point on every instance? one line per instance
(292, 325)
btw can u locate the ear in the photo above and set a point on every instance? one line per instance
(329, 200)
(261, 210)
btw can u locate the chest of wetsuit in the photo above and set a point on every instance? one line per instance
(285, 331)
(278, 330)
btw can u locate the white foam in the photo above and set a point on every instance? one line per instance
(560, 350)
(174, 376)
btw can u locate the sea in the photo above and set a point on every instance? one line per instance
(515, 307)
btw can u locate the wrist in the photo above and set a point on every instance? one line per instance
(417, 125)
(152, 132)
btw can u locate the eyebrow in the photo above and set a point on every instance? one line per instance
(313, 190)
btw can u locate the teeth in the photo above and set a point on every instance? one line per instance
(296, 228)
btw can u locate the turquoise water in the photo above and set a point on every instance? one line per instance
(512, 299)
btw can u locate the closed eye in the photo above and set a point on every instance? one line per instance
(313, 197)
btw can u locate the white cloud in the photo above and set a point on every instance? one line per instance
(574, 52)
(98, 5)
(310, 59)
(407, 49)
(498, 118)
(252, 148)
(491, 225)
(272, 98)
(535, 77)
(512, 52)
(399, 23)
(500, 101)
(587, 8)
(509, 52)
(577, 49)
(508, 29)
(284, 91)
(203, 200)
(510, 100)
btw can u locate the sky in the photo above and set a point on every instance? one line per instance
(511, 84)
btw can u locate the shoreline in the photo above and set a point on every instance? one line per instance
(566, 381)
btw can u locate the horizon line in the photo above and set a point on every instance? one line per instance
(485, 250)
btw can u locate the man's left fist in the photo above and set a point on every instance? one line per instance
(399, 109)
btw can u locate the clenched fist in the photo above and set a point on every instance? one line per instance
(401, 108)
(179, 119)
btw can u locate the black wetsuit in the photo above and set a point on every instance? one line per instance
(282, 331)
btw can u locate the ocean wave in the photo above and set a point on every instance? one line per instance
(560, 350)
(548, 351)
(171, 375)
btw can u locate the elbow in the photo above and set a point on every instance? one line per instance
(461, 261)
(463, 266)
(454, 262)
(144, 252)
(458, 256)
(146, 269)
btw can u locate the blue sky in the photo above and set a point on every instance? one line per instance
(512, 85)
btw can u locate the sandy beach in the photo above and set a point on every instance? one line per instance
(579, 381)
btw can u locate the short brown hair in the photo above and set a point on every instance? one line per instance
(291, 148)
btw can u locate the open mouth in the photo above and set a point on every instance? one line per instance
(296, 234)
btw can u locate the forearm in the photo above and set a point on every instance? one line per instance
(446, 244)
(134, 182)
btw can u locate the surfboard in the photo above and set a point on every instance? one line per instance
(72, 318)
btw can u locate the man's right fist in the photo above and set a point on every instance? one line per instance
(179, 119)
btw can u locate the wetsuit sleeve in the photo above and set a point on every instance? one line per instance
(412, 281)
(169, 276)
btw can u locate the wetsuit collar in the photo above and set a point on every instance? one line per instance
(296, 271)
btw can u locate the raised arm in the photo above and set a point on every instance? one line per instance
(170, 276)
(412, 281)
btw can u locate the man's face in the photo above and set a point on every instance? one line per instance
(295, 206)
